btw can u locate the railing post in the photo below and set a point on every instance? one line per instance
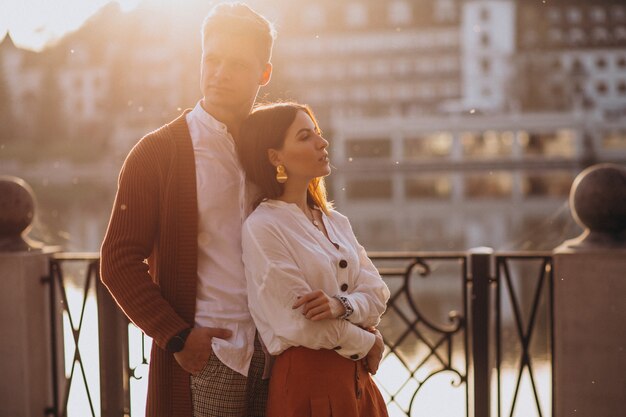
(589, 293)
(114, 367)
(480, 261)
(26, 363)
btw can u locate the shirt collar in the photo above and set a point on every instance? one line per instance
(207, 121)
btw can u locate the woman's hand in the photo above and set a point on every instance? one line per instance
(375, 355)
(319, 306)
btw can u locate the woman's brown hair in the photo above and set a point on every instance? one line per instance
(264, 129)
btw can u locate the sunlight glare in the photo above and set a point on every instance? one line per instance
(33, 24)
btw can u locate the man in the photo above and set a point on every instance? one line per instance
(180, 204)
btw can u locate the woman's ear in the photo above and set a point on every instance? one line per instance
(274, 156)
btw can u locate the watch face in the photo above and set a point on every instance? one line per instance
(176, 344)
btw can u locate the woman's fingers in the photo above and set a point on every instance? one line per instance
(307, 297)
(323, 310)
(316, 305)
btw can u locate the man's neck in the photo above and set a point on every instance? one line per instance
(232, 120)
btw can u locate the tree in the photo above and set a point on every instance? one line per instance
(7, 122)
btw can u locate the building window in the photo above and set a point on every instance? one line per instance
(448, 64)
(400, 13)
(598, 14)
(401, 67)
(618, 13)
(600, 34)
(554, 14)
(313, 16)
(428, 187)
(560, 143)
(360, 94)
(576, 36)
(485, 66)
(368, 189)
(578, 88)
(356, 15)
(556, 89)
(621, 87)
(484, 14)
(555, 35)
(485, 40)
(621, 62)
(489, 144)
(577, 66)
(615, 140)
(601, 63)
(445, 10)
(602, 88)
(574, 15)
(431, 145)
(369, 148)
(620, 33)
(380, 67)
(555, 184)
(495, 184)
(358, 69)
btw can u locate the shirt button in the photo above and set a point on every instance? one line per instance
(337, 348)
(355, 356)
(343, 263)
(344, 287)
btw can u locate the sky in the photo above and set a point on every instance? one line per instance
(33, 24)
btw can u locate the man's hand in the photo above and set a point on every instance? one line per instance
(375, 355)
(319, 306)
(195, 355)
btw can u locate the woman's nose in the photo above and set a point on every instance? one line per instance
(323, 143)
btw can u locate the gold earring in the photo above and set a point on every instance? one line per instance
(281, 175)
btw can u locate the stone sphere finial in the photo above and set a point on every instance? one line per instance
(598, 204)
(17, 211)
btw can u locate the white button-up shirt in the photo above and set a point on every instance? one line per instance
(221, 299)
(286, 256)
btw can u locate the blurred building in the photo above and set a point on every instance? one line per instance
(452, 123)
(370, 57)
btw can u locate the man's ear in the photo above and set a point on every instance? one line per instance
(267, 74)
(274, 156)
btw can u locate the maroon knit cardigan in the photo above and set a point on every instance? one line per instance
(155, 217)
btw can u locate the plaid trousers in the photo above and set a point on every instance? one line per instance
(218, 391)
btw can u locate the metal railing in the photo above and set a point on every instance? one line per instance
(490, 293)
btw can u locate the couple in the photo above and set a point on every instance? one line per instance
(223, 248)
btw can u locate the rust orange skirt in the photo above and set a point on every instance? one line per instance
(321, 383)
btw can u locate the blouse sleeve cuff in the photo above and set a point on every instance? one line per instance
(355, 343)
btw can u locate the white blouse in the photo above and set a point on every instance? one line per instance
(286, 256)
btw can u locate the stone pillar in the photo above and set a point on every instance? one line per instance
(590, 299)
(25, 351)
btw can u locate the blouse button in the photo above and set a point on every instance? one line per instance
(355, 356)
(343, 263)
(344, 287)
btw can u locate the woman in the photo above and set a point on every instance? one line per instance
(312, 290)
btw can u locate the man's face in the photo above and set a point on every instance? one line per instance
(231, 73)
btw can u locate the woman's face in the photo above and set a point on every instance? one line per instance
(304, 153)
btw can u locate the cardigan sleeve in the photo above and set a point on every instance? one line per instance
(274, 283)
(130, 240)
